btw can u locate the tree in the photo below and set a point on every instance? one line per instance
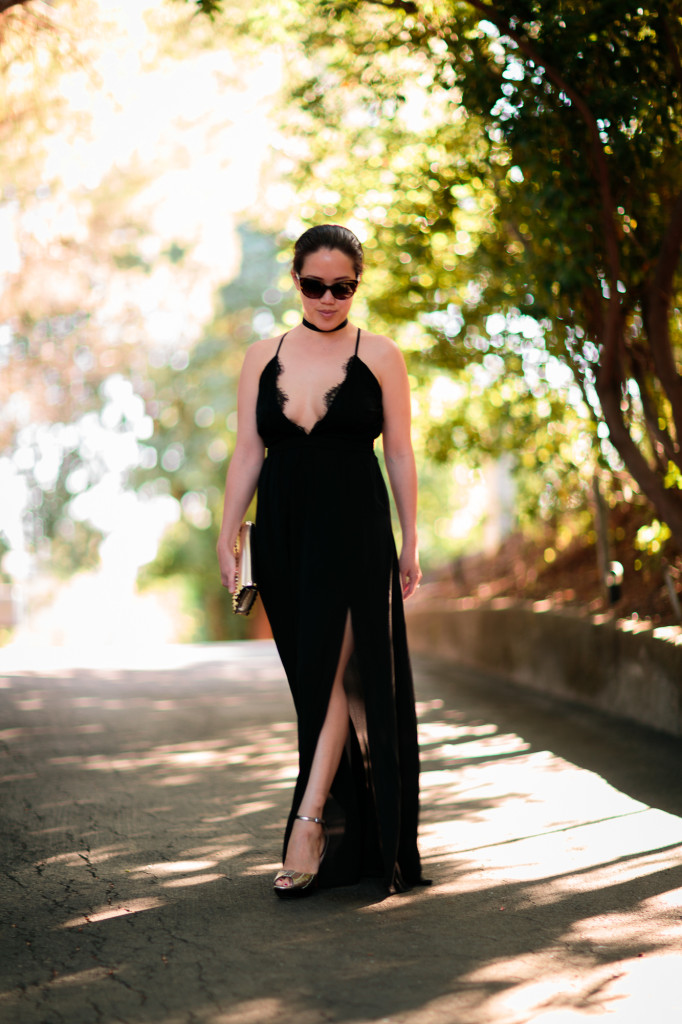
(416, 176)
(91, 285)
(209, 7)
(53, 350)
(559, 126)
(194, 406)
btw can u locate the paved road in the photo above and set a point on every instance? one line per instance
(143, 801)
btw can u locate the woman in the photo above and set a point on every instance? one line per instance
(328, 573)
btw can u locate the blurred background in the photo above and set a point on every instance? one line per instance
(158, 158)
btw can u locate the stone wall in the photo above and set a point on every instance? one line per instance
(621, 667)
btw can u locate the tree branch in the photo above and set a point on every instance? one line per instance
(579, 377)
(672, 48)
(669, 256)
(613, 319)
(656, 314)
(407, 6)
(660, 439)
(664, 501)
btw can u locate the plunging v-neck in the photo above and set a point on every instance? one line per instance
(328, 398)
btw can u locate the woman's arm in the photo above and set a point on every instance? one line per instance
(245, 465)
(400, 464)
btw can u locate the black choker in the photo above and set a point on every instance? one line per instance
(312, 327)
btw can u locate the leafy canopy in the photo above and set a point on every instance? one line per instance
(526, 162)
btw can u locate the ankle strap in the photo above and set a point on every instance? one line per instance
(304, 817)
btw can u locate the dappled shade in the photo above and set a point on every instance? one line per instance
(143, 813)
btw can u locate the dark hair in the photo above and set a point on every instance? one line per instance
(328, 236)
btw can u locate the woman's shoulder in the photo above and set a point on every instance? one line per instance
(259, 353)
(379, 344)
(381, 354)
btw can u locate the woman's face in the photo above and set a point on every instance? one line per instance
(328, 266)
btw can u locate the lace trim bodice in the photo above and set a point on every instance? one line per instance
(282, 397)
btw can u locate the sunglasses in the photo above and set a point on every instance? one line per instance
(313, 288)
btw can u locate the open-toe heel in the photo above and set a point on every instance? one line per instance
(301, 883)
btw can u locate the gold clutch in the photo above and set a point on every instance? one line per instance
(246, 589)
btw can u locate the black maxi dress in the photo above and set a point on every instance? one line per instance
(324, 547)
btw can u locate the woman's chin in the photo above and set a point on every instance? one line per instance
(326, 321)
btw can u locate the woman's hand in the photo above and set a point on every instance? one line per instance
(410, 573)
(228, 566)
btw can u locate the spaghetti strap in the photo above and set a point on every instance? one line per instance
(357, 342)
(282, 339)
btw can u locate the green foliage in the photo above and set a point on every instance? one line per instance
(651, 538)
(423, 195)
(209, 7)
(195, 421)
(4, 548)
(56, 355)
(514, 173)
(74, 548)
(86, 268)
(520, 159)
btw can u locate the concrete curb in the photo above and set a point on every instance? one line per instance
(622, 667)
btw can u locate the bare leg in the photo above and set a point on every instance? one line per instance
(306, 840)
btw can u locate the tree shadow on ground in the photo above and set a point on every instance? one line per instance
(591, 739)
(143, 821)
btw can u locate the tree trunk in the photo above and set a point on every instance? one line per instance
(666, 501)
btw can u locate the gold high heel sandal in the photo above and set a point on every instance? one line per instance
(302, 883)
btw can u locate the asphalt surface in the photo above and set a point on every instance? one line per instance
(144, 796)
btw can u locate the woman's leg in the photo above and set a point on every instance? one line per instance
(306, 840)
